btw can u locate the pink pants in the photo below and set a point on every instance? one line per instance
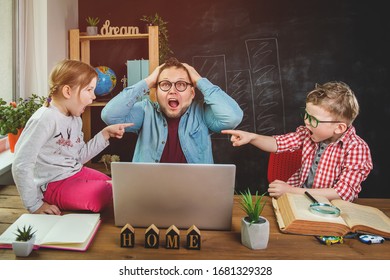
(86, 190)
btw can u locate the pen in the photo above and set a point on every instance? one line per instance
(311, 197)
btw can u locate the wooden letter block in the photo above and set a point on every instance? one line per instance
(127, 236)
(193, 238)
(152, 238)
(172, 238)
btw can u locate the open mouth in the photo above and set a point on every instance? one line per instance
(173, 103)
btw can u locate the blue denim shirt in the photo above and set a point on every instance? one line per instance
(218, 111)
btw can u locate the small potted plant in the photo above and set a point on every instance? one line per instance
(92, 25)
(14, 116)
(24, 242)
(163, 42)
(254, 227)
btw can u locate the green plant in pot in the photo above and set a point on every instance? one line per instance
(254, 227)
(92, 23)
(163, 43)
(24, 242)
(14, 115)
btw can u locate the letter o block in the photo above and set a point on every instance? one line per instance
(152, 238)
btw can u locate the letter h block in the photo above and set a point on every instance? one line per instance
(127, 236)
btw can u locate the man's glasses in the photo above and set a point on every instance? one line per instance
(313, 121)
(179, 85)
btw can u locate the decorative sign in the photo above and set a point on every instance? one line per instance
(152, 237)
(116, 30)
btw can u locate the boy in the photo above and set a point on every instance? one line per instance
(334, 159)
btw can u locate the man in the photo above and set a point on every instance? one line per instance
(176, 128)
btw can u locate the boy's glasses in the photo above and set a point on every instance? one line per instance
(313, 121)
(179, 85)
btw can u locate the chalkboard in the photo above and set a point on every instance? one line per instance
(267, 55)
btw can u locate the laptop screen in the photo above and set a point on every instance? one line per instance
(168, 194)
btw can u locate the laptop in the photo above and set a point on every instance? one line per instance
(166, 194)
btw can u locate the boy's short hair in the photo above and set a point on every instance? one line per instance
(337, 98)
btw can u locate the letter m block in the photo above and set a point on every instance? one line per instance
(172, 238)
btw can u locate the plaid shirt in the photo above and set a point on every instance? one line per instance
(343, 165)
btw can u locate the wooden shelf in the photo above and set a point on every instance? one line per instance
(79, 49)
(114, 37)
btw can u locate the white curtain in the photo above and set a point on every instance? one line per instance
(6, 50)
(32, 57)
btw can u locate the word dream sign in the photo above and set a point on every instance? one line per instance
(116, 30)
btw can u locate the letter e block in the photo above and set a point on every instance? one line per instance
(193, 238)
(127, 236)
(172, 238)
(152, 238)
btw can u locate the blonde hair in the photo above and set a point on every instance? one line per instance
(337, 98)
(72, 73)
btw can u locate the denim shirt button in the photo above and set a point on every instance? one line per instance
(163, 142)
(156, 160)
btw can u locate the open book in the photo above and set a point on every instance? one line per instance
(67, 232)
(293, 216)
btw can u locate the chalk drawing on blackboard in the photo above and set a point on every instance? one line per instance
(213, 67)
(240, 89)
(258, 90)
(263, 59)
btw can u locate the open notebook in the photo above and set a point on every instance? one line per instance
(168, 194)
(68, 232)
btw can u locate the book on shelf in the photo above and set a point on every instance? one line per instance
(67, 232)
(137, 70)
(293, 216)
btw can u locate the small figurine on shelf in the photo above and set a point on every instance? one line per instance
(124, 81)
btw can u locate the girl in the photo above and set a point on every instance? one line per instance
(49, 156)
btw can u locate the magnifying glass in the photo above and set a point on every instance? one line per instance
(322, 209)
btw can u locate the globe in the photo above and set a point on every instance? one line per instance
(106, 80)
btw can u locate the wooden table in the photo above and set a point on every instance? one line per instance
(221, 245)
